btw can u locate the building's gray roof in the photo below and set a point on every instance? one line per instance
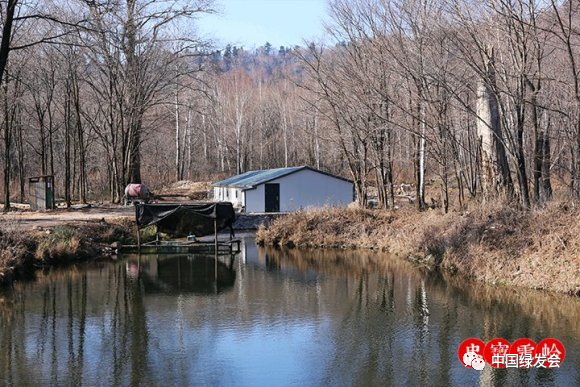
(251, 179)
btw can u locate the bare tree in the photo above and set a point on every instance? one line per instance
(137, 72)
(567, 20)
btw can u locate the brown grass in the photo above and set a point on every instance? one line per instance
(21, 252)
(195, 190)
(14, 255)
(495, 243)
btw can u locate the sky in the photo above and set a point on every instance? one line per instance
(252, 23)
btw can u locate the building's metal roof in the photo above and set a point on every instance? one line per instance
(253, 178)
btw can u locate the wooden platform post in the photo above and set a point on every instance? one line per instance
(215, 230)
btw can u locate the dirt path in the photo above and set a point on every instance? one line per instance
(24, 220)
(27, 220)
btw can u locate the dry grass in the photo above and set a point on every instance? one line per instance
(494, 243)
(14, 254)
(195, 190)
(21, 252)
(62, 243)
(325, 227)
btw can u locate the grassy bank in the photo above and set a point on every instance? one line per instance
(22, 252)
(496, 244)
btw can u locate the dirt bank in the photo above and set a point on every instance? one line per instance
(496, 244)
(22, 251)
(31, 239)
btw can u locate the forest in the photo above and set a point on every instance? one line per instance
(475, 99)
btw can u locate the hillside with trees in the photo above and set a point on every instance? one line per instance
(478, 100)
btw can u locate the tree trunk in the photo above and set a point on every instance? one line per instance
(135, 105)
(188, 142)
(316, 141)
(7, 148)
(135, 158)
(546, 164)
(421, 158)
(538, 152)
(285, 133)
(81, 142)
(520, 152)
(390, 181)
(67, 148)
(20, 150)
(6, 36)
(178, 171)
(495, 173)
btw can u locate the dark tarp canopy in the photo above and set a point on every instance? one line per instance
(181, 220)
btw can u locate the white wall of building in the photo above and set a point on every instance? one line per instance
(217, 193)
(303, 189)
(255, 201)
(229, 194)
(308, 188)
(234, 196)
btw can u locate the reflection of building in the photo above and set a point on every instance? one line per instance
(284, 190)
(253, 255)
(249, 252)
(368, 319)
(200, 274)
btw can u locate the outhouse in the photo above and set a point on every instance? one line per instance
(41, 192)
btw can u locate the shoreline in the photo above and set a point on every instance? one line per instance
(22, 252)
(495, 244)
(34, 240)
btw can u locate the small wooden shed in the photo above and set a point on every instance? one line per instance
(41, 192)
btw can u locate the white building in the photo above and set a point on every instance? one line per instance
(284, 190)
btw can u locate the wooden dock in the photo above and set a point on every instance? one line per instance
(226, 247)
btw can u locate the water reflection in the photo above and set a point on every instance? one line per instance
(269, 317)
(198, 274)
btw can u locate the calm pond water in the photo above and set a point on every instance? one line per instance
(270, 318)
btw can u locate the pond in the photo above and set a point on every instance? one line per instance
(270, 317)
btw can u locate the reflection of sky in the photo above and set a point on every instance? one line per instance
(272, 354)
(237, 352)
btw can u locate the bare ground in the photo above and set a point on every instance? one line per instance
(22, 220)
(25, 220)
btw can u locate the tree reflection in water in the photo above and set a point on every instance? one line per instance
(271, 317)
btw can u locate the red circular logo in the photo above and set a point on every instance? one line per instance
(549, 353)
(469, 350)
(521, 354)
(495, 352)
